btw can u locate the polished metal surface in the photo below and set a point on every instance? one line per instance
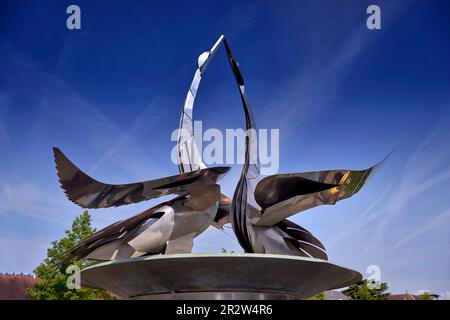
(189, 157)
(259, 209)
(169, 227)
(283, 195)
(217, 276)
(258, 213)
(90, 193)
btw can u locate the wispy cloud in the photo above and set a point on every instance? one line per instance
(21, 255)
(444, 295)
(435, 221)
(305, 96)
(35, 193)
(241, 18)
(369, 215)
(62, 108)
(4, 106)
(424, 170)
(33, 200)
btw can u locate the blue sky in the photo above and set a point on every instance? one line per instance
(109, 95)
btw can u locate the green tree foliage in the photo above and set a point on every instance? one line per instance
(52, 271)
(425, 296)
(319, 296)
(361, 291)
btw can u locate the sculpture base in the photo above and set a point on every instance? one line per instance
(217, 276)
(217, 296)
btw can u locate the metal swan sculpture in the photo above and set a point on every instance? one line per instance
(259, 209)
(169, 227)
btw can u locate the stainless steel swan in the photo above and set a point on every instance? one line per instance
(258, 211)
(259, 208)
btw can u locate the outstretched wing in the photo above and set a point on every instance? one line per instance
(90, 193)
(115, 231)
(284, 195)
(278, 188)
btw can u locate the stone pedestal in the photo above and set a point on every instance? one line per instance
(218, 276)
